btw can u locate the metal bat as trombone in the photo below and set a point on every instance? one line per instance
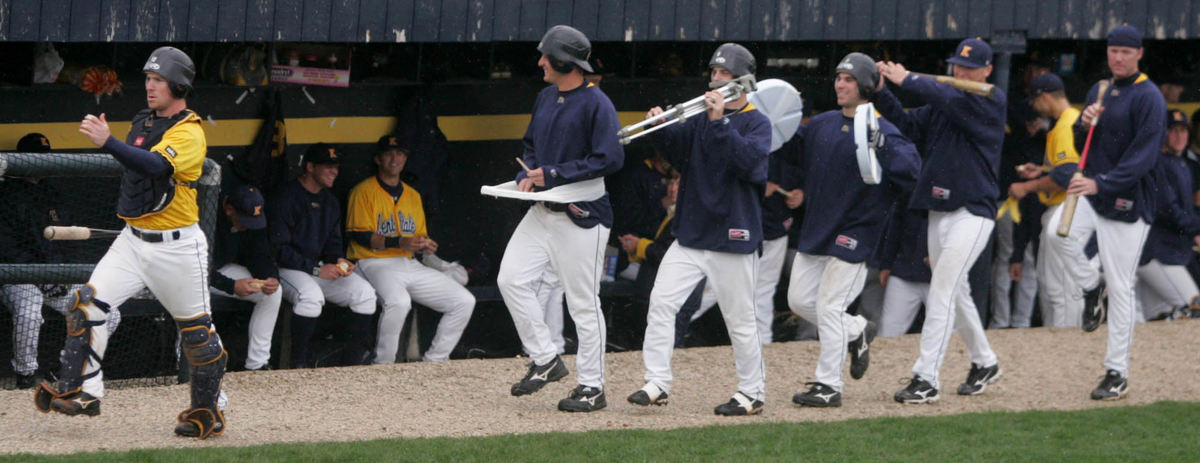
(731, 91)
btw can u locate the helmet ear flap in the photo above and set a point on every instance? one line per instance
(179, 91)
(562, 67)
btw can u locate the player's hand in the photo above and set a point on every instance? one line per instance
(1196, 239)
(525, 185)
(345, 266)
(716, 105)
(95, 128)
(895, 72)
(537, 176)
(330, 272)
(245, 287)
(270, 285)
(430, 246)
(795, 198)
(413, 244)
(1018, 190)
(1082, 186)
(378, 242)
(1090, 113)
(883, 277)
(1014, 271)
(629, 242)
(655, 111)
(1029, 171)
(772, 187)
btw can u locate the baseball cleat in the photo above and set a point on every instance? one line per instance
(1112, 387)
(860, 354)
(918, 391)
(819, 395)
(1093, 307)
(538, 376)
(200, 423)
(739, 405)
(979, 378)
(648, 395)
(583, 399)
(79, 403)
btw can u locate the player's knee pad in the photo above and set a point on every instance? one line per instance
(206, 357)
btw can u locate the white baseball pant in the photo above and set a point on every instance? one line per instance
(550, 295)
(308, 293)
(1066, 271)
(546, 239)
(1164, 288)
(400, 281)
(732, 277)
(770, 269)
(821, 289)
(902, 299)
(956, 239)
(262, 319)
(175, 270)
(1005, 314)
(26, 302)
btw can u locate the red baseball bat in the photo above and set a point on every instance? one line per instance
(1068, 214)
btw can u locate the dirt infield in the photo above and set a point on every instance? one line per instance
(1042, 370)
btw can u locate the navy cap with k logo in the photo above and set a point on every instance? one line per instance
(972, 53)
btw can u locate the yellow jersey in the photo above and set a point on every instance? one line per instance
(372, 209)
(1060, 149)
(185, 148)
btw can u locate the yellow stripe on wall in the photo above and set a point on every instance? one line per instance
(241, 132)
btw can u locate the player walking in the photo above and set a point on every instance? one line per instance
(962, 134)
(571, 138)
(718, 226)
(162, 249)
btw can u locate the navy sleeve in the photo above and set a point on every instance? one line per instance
(1061, 175)
(900, 160)
(144, 162)
(1174, 211)
(605, 154)
(220, 281)
(973, 114)
(912, 123)
(889, 243)
(674, 144)
(528, 154)
(260, 263)
(1139, 157)
(333, 249)
(280, 224)
(747, 153)
(792, 154)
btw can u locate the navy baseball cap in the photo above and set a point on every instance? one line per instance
(33, 143)
(1176, 117)
(1045, 83)
(973, 53)
(392, 142)
(1125, 36)
(248, 204)
(322, 153)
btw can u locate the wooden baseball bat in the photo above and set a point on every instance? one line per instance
(970, 86)
(56, 233)
(1068, 213)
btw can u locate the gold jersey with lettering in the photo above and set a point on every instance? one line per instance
(372, 209)
(1060, 149)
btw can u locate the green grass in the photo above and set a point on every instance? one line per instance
(1164, 431)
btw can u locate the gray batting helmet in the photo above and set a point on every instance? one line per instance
(175, 66)
(863, 68)
(566, 44)
(736, 58)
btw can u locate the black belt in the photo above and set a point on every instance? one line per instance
(555, 207)
(152, 236)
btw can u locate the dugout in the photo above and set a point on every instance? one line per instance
(469, 66)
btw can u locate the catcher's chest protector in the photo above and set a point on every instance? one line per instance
(141, 195)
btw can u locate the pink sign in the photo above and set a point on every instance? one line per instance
(310, 76)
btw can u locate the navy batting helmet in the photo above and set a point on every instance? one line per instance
(863, 69)
(567, 47)
(736, 58)
(175, 66)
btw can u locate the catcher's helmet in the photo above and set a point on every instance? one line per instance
(567, 47)
(863, 68)
(175, 66)
(736, 58)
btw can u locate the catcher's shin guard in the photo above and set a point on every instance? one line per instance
(84, 316)
(206, 359)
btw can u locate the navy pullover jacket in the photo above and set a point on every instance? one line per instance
(845, 217)
(905, 245)
(1125, 147)
(777, 217)
(1170, 239)
(961, 135)
(724, 168)
(572, 136)
(305, 228)
(248, 248)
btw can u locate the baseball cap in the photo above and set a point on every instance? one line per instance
(247, 203)
(1045, 83)
(1125, 36)
(973, 53)
(392, 142)
(1176, 117)
(322, 153)
(33, 143)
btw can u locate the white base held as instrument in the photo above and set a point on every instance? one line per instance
(587, 190)
(865, 124)
(781, 103)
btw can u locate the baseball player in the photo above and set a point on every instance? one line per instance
(305, 225)
(842, 224)
(777, 214)
(386, 228)
(1066, 277)
(1165, 287)
(903, 269)
(245, 270)
(722, 157)
(162, 249)
(1120, 189)
(571, 138)
(962, 134)
(33, 206)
